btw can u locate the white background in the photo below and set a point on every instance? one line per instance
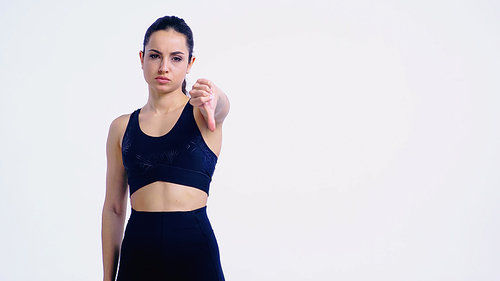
(362, 142)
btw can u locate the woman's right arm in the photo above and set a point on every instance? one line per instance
(115, 203)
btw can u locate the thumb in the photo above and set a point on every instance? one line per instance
(210, 116)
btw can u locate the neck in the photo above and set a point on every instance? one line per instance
(165, 102)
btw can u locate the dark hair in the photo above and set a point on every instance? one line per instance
(177, 24)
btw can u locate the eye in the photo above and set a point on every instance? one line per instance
(177, 59)
(154, 56)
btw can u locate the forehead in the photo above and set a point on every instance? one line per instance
(170, 40)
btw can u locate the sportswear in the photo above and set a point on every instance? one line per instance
(177, 246)
(180, 156)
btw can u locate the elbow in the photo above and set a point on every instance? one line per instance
(118, 209)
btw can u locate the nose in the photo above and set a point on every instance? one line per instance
(163, 66)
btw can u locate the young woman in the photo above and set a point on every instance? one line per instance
(166, 153)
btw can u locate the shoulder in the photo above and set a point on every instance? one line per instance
(118, 127)
(120, 123)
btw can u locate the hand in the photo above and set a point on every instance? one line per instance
(205, 95)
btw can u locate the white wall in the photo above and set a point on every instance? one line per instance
(362, 143)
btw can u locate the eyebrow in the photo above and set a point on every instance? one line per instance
(173, 53)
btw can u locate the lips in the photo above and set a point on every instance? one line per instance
(162, 79)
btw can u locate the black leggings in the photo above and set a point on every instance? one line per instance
(169, 246)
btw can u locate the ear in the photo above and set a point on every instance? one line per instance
(190, 64)
(141, 57)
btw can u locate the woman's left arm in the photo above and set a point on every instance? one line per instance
(213, 103)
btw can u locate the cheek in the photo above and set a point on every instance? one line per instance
(149, 71)
(150, 67)
(178, 69)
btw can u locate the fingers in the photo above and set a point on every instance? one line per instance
(204, 96)
(204, 81)
(202, 90)
(199, 101)
(206, 85)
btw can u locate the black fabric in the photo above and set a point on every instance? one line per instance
(177, 246)
(181, 156)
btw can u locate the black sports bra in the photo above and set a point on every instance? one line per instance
(181, 156)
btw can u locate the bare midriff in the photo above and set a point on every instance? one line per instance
(168, 197)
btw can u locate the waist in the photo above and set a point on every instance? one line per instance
(143, 223)
(168, 197)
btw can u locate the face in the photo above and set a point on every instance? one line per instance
(165, 61)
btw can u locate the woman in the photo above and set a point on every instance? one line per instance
(166, 153)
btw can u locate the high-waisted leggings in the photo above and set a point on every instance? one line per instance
(172, 246)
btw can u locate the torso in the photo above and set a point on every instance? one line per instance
(165, 196)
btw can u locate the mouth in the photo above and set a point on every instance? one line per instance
(162, 79)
